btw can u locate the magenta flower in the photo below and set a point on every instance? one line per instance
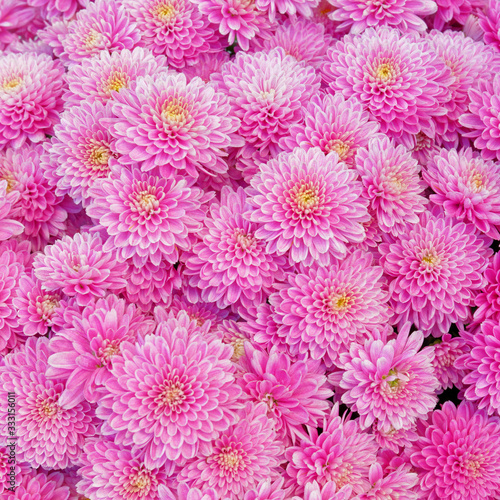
(390, 380)
(397, 485)
(458, 454)
(398, 79)
(84, 353)
(16, 18)
(168, 123)
(39, 485)
(406, 15)
(333, 124)
(452, 11)
(482, 118)
(184, 492)
(200, 312)
(37, 309)
(79, 267)
(113, 471)
(48, 435)
(436, 269)
(321, 311)
(208, 64)
(391, 184)
(329, 491)
(296, 393)
(267, 490)
(467, 188)
(174, 28)
(308, 205)
(230, 265)
(55, 9)
(341, 454)
(290, 7)
(424, 149)
(230, 333)
(102, 25)
(240, 458)
(171, 408)
(393, 439)
(8, 227)
(446, 351)
(97, 78)
(488, 298)
(81, 152)
(489, 21)
(31, 89)
(271, 85)
(146, 217)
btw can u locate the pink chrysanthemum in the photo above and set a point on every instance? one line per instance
(451, 11)
(489, 21)
(267, 490)
(184, 492)
(174, 125)
(481, 367)
(484, 109)
(236, 18)
(79, 267)
(113, 471)
(290, 7)
(405, 15)
(84, 353)
(16, 18)
(468, 62)
(458, 454)
(146, 217)
(446, 351)
(97, 78)
(47, 435)
(230, 264)
(42, 212)
(174, 28)
(173, 408)
(424, 149)
(295, 393)
(329, 491)
(399, 80)
(390, 381)
(200, 312)
(30, 97)
(57, 9)
(391, 184)
(102, 25)
(308, 205)
(397, 485)
(301, 38)
(207, 65)
(39, 485)
(240, 458)
(37, 309)
(436, 269)
(230, 333)
(394, 439)
(333, 124)
(8, 227)
(488, 299)
(268, 91)
(467, 188)
(323, 310)
(81, 152)
(12, 264)
(341, 454)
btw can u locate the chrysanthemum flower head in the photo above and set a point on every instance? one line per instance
(30, 97)
(333, 123)
(397, 485)
(174, 408)
(482, 118)
(467, 188)
(271, 85)
(240, 458)
(393, 439)
(391, 184)
(47, 435)
(296, 393)
(230, 332)
(452, 12)
(458, 454)
(489, 21)
(308, 205)
(424, 149)
(230, 265)
(146, 217)
(113, 471)
(99, 77)
(341, 454)
(174, 125)
(405, 15)
(323, 310)
(79, 267)
(81, 152)
(102, 25)
(436, 269)
(40, 485)
(398, 79)
(8, 226)
(447, 350)
(16, 18)
(174, 28)
(391, 381)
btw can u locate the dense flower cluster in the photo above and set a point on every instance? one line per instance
(249, 249)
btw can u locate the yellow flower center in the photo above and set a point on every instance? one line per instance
(116, 81)
(12, 83)
(92, 39)
(340, 147)
(340, 302)
(230, 460)
(173, 394)
(165, 12)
